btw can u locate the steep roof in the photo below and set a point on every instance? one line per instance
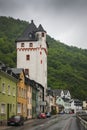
(29, 33)
(40, 28)
(57, 92)
(65, 91)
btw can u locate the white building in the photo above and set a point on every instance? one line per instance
(32, 54)
(62, 93)
(76, 105)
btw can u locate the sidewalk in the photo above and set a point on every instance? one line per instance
(26, 122)
(5, 127)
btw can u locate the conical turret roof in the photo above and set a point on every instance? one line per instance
(40, 29)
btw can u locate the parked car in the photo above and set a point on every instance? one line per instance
(42, 116)
(15, 120)
(48, 114)
(61, 112)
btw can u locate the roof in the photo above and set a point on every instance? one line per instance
(57, 92)
(17, 70)
(29, 33)
(65, 91)
(40, 28)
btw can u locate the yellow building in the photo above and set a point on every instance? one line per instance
(22, 96)
(21, 93)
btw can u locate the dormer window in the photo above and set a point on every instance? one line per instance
(30, 35)
(22, 44)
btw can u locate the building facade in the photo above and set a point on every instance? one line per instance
(32, 54)
(21, 92)
(8, 96)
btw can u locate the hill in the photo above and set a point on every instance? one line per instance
(67, 65)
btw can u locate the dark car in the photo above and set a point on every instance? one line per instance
(48, 114)
(42, 116)
(15, 120)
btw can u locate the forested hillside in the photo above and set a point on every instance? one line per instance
(67, 66)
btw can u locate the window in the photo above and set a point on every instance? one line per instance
(42, 34)
(31, 45)
(9, 92)
(19, 108)
(24, 107)
(26, 71)
(2, 108)
(3, 87)
(30, 35)
(13, 91)
(41, 61)
(22, 44)
(27, 57)
(40, 52)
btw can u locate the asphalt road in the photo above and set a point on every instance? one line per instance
(59, 122)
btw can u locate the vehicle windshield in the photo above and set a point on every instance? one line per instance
(17, 117)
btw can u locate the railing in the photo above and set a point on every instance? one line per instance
(82, 122)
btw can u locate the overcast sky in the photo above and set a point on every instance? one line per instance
(64, 20)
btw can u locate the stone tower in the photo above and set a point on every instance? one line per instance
(32, 54)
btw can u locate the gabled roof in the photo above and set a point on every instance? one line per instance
(65, 91)
(57, 92)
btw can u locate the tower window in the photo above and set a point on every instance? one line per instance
(41, 61)
(27, 57)
(42, 34)
(31, 45)
(40, 52)
(22, 44)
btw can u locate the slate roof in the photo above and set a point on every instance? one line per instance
(40, 28)
(17, 70)
(57, 92)
(29, 33)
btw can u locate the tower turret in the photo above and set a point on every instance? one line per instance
(41, 33)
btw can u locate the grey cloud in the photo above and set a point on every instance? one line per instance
(65, 20)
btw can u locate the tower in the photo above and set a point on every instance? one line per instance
(32, 54)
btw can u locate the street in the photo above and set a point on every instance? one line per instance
(59, 122)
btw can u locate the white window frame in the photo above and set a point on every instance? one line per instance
(3, 88)
(14, 91)
(18, 108)
(3, 108)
